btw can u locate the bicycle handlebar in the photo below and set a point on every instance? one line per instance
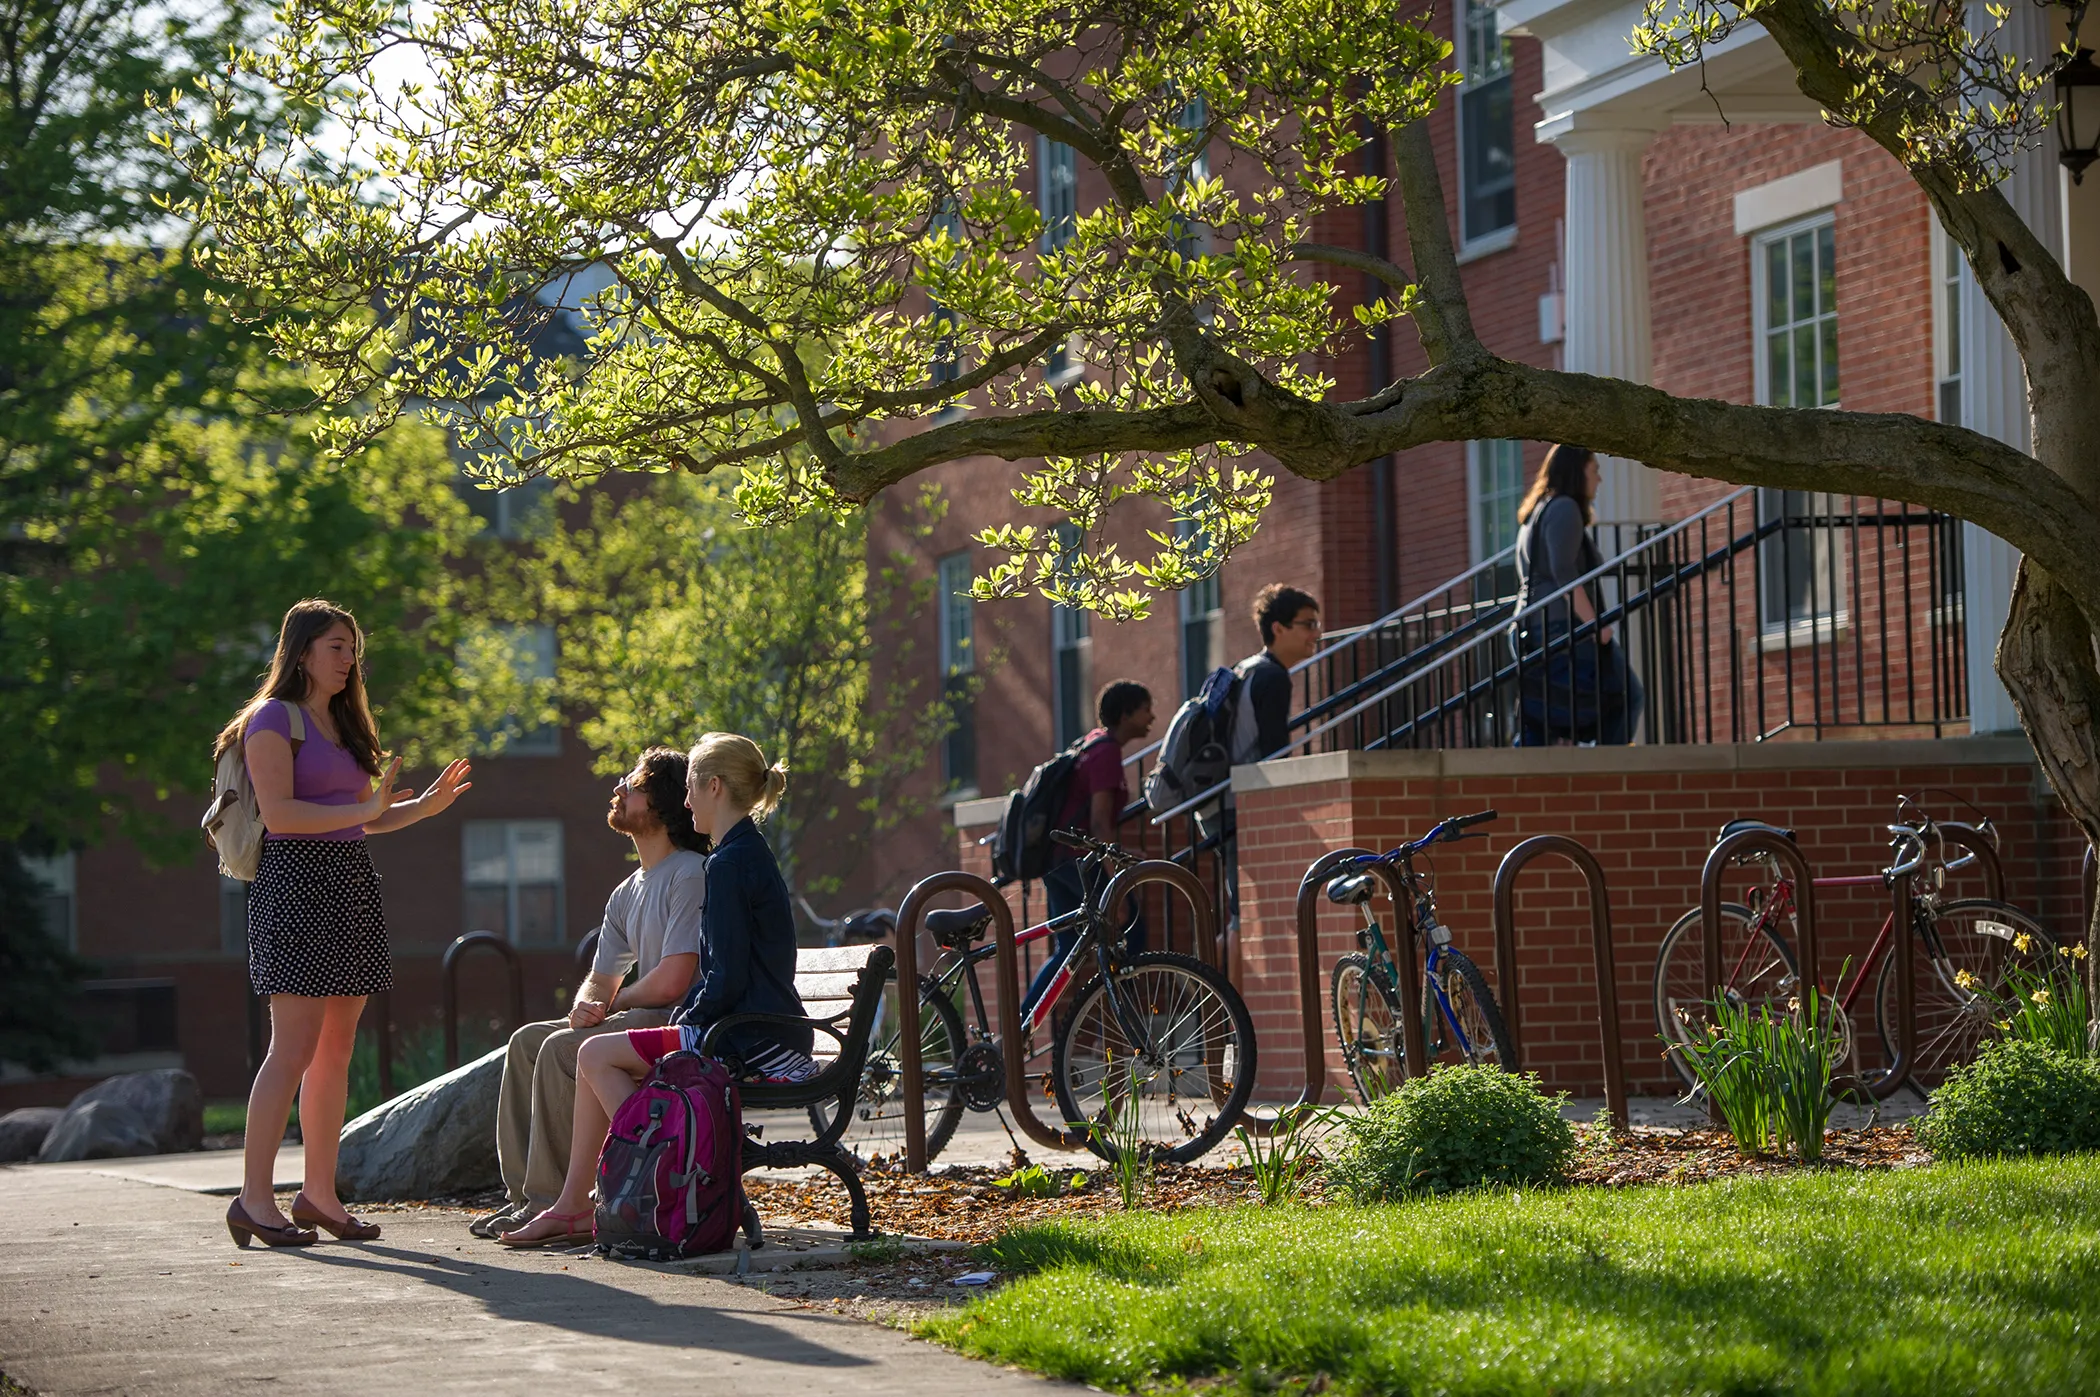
(1073, 839)
(1443, 832)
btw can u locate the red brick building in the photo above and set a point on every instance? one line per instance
(1612, 218)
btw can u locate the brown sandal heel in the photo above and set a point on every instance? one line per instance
(245, 1229)
(349, 1229)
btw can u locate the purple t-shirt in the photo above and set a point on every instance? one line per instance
(321, 771)
(1100, 768)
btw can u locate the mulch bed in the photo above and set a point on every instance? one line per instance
(963, 1204)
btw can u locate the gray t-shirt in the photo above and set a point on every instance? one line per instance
(653, 914)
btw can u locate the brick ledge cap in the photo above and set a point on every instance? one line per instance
(1563, 761)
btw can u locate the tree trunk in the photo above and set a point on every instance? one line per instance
(2049, 658)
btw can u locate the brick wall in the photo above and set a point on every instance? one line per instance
(1649, 814)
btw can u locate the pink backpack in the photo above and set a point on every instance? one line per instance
(670, 1178)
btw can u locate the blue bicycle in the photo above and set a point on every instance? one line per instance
(1460, 1020)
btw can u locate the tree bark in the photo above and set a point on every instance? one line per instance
(2049, 658)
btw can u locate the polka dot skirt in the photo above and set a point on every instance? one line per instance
(315, 926)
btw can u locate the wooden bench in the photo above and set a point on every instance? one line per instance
(841, 988)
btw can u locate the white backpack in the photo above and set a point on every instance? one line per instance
(233, 824)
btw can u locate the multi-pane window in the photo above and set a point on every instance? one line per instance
(1202, 623)
(1071, 656)
(514, 879)
(1057, 199)
(1487, 141)
(1794, 276)
(958, 663)
(946, 366)
(1496, 469)
(57, 883)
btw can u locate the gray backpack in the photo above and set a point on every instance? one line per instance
(233, 824)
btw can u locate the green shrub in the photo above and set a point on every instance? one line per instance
(2016, 1098)
(1457, 1127)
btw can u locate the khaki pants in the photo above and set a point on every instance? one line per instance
(538, 1102)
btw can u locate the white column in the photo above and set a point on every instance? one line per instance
(1994, 386)
(1606, 258)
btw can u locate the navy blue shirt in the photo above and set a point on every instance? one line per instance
(747, 946)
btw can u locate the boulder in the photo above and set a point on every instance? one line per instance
(167, 1105)
(434, 1139)
(98, 1130)
(22, 1133)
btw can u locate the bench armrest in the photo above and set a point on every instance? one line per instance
(729, 1021)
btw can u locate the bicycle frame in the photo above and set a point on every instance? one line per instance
(1779, 903)
(1383, 962)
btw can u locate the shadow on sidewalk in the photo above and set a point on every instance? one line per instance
(573, 1302)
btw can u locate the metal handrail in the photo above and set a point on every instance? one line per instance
(1541, 604)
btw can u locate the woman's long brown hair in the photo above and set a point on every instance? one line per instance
(303, 625)
(1563, 472)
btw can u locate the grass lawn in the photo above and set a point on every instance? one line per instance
(1937, 1281)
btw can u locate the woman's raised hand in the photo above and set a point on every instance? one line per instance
(451, 782)
(385, 794)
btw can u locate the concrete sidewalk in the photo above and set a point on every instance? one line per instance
(114, 1284)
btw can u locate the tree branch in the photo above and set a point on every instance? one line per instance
(1442, 317)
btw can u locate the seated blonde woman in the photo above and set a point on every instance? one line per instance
(747, 959)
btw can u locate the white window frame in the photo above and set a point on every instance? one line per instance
(1481, 460)
(1478, 244)
(1949, 270)
(510, 832)
(1827, 613)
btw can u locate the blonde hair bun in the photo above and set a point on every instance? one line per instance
(747, 779)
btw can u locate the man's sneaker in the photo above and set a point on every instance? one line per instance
(502, 1220)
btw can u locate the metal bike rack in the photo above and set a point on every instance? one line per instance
(1986, 851)
(912, 1083)
(1506, 976)
(1414, 1047)
(454, 953)
(1770, 841)
(587, 949)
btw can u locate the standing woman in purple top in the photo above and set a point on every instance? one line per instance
(316, 933)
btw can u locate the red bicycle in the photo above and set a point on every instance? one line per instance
(1966, 949)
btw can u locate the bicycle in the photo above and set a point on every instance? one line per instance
(1461, 1022)
(1163, 1023)
(1956, 939)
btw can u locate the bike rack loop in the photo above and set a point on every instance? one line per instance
(1414, 1047)
(1506, 976)
(1771, 842)
(456, 952)
(1974, 840)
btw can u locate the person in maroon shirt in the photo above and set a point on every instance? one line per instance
(1095, 800)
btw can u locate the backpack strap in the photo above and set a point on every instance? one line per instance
(295, 716)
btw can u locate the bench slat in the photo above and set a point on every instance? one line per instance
(832, 959)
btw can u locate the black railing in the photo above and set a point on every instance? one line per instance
(1754, 618)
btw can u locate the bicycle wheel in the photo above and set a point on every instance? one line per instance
(1980, 937)
(1480, 1036)
(877, 1127)
(1177, 1091)
(1755, 970)
(1367, 1026)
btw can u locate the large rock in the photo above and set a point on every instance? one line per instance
(435, 1139)
(167, 1106)
(23, 1132)
(98, 1130)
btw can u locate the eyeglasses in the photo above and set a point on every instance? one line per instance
(1311, 624)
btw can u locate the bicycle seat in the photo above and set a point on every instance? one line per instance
(1737, 826)
(1351, 889)
(874, 924)
(956, 927)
